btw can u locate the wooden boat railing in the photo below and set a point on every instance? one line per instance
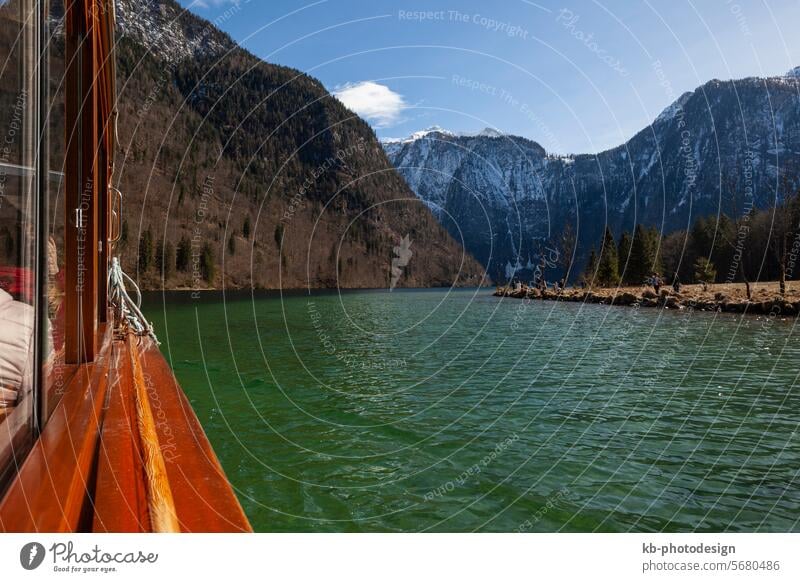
(103, 464)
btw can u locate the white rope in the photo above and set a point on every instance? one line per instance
(127, 312)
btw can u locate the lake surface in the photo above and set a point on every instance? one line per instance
(459, 411)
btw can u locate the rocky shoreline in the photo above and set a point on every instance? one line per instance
(765, 298)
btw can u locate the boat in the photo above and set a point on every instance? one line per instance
(96, 434)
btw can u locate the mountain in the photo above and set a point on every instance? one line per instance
(256, 171)
(724, 147)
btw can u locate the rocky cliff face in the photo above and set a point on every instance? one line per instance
(723, 148)
(260, 164)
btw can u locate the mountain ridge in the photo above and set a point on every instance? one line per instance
(259, 171)
(699, 157)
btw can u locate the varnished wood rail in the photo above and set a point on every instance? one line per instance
(160, 502)
(123, 452)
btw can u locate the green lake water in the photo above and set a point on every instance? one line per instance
(458, 411)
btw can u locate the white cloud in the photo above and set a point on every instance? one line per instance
(376, 103)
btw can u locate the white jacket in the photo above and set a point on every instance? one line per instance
(16, 350)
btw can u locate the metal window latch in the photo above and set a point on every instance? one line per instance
(79, 218)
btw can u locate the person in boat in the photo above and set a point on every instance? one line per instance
(16, 352)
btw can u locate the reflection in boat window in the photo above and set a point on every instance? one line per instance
(31, 224)
(17, 230)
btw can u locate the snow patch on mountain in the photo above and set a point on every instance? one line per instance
(489, 132)
(673, 109)
(172, 32)
(434, 129)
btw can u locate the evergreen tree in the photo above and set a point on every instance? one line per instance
(725, 247)
(145, 250)
(642, 258)
(653, 247)
(232, 245)
(591, 267)
(701, 238)
(704, 270)
(207, 267)
(165, 259)
(169, 260)
(184, 255)
(673, 253)
(607, 267)
(566, 246)
(246, 227)
(624, 251)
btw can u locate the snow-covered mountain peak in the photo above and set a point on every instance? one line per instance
(431, 130)
(489, 132)
(417, 135)
(436, 130)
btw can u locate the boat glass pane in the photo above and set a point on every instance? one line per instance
(18, 75)
(55, 373)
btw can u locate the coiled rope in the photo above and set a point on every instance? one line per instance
(128, 314)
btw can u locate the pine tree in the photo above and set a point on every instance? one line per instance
(653, 247)
(232, 245)
(165, 259)
(704, 270)
(145, 250)
(567, 244)
(701, 237)
(591, 267)
(624, 253)
(184, 254)
(169, 260)
(607, 267)
(207, 267)
(640, 265)
(246, 227)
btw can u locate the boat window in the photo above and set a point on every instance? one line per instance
(18, 228)
(55, 374)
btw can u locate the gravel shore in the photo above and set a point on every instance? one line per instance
(727, 297)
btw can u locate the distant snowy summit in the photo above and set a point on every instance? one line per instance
(487, 132)
(418, 135)
(433, 130)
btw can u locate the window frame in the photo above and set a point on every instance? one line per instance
(89, 112)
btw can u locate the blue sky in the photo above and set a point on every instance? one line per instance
(576, 76)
